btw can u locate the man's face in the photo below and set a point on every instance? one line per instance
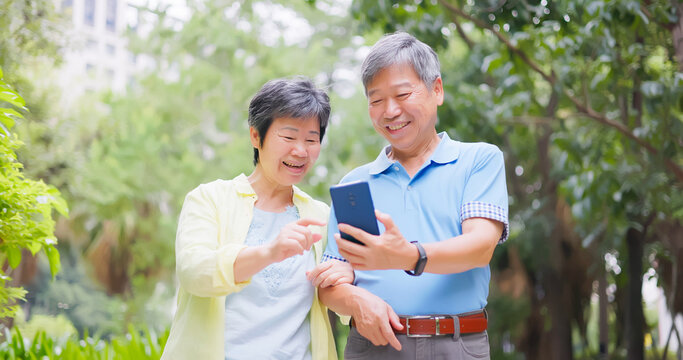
(403, 108)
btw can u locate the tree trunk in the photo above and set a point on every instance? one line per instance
(556, 290)
(677, 34)
(635, 319)
(603, 347)
(559, 310)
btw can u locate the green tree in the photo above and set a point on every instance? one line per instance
(25, 206)
(127, 160)
(584, 98)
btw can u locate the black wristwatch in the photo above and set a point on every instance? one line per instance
(421, 261)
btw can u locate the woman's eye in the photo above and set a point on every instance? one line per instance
(312, 141)
(288, 138)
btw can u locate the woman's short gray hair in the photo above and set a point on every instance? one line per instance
(401, 48)
(296, 98)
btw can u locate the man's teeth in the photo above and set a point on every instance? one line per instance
(396, 127)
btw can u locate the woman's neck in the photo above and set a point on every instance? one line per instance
(271, 196)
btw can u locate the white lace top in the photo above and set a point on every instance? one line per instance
(268, 319)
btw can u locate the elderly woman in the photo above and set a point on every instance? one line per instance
(244, 245)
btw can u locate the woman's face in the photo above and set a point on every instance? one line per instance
(290, 149)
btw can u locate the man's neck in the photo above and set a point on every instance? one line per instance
(413, 159)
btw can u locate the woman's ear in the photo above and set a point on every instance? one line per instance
(254, 137)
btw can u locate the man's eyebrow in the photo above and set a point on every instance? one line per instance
(401, 84)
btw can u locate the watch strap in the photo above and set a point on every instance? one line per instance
(421, 260)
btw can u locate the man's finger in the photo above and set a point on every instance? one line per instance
(357, 233)
(393, 341)
(386, 220)
(389, 336)
(353, 259)
(348, 246)
(395, 320)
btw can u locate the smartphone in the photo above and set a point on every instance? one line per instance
(352, 204)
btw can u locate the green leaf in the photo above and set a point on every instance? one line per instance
(12, 97)
(14, 256)
(53, 258)
(58, 202)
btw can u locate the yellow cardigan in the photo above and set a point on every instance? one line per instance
(212, 228)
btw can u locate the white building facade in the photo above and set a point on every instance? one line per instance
(97, 57)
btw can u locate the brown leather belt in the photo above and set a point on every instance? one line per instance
(434, 325)
(423, 326)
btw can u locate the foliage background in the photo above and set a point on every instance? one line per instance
(584, 97)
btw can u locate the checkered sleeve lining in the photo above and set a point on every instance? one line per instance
(327, 257)
(489, 211)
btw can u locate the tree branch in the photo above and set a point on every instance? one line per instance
(550, 77)
(461, 32)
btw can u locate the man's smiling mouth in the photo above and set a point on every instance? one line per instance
(397, 126)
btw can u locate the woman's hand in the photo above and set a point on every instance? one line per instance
(293, 239)
(331, 273)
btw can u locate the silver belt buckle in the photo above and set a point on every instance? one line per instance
(436, 320)
(408, 318)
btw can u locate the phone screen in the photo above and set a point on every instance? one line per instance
(352, 204)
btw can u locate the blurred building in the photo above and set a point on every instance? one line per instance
(96, 56)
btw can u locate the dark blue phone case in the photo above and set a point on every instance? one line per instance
(352, 204)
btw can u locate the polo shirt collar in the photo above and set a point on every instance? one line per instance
(243, 187)
(447, 151)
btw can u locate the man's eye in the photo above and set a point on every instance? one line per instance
(312, 141)
(288, 138)
(403, 95)
(375, 102)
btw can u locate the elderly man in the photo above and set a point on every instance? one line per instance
(421, 286)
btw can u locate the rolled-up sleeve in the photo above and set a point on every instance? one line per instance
(204, 264)
(485, 193)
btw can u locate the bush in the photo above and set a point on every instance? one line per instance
(136, 345)
(25, 206)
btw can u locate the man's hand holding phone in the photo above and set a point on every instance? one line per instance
(390, 250)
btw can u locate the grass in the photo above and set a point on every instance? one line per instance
(135, 345)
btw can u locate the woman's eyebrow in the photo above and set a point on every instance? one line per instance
(315, 132)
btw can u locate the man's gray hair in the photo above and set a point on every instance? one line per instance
(401, 48)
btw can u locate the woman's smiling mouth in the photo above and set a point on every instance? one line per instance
(292, 165)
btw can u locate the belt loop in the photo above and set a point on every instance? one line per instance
(456, 327)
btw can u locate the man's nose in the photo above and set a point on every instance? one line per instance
(392, 110)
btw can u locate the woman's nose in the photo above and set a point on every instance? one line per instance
(299, 149)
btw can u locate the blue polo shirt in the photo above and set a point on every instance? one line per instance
(459, 181)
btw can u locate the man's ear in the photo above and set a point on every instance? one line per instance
(437, 88)
(254, 137)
